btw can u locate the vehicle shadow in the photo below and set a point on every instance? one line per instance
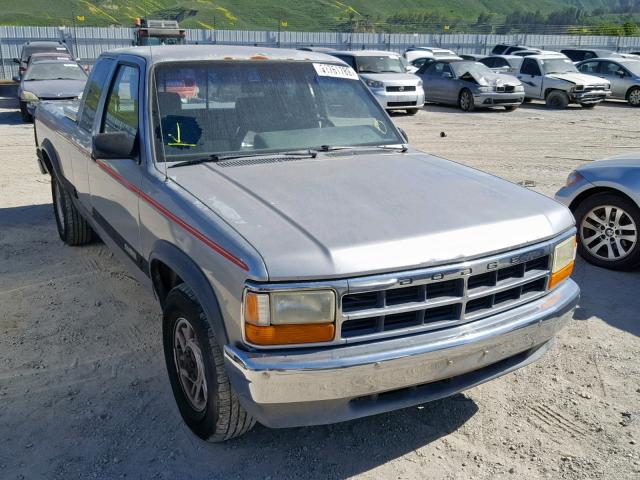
(609, 295)
(347, 449)
(11, 118)
(26, 215)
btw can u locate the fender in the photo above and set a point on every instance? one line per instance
(191, 274)
(53, 165)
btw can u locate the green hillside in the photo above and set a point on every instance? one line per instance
(309, 15)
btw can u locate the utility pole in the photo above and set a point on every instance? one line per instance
(75, 33)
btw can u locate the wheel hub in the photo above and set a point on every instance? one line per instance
(189, 365)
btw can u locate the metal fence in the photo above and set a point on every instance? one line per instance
(88, 42)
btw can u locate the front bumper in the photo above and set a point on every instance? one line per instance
(592, 96)
(297, 388)
(399, 100)
(495, 99)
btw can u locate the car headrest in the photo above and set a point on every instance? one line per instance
(169, 103)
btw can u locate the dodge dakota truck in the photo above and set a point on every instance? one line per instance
(311, 266)
(557, 81)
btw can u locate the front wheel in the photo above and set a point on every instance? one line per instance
(207, 402)
(608, 231)
(24, 113)
(633, 97)
(557, 100)
(465, 100)
(73, 229)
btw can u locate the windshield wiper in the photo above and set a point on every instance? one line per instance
(219, 158)
(332, 148)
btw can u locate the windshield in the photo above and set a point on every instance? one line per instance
(474, 68)
(162, 41)
(379, 64)
(558, 65)
(230, 108)
(55, 71)
(30, 50)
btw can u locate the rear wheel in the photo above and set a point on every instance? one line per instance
(633, 97)
(207, 402)
(24, 113)
(608, 228)
(465, 100)
(557, 100)
(72, 227)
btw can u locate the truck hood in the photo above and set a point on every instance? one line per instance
(54, 88)
(353, 214)
(578, 78)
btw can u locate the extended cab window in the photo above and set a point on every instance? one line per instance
(530, 67)
(121, 114)
(93, 92)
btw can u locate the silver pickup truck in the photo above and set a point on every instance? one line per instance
(310, 265)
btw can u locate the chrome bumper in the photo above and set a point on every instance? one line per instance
(298, 388)
(592, 96)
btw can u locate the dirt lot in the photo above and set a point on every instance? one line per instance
(84, 393)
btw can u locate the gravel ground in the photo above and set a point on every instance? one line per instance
(84, 393)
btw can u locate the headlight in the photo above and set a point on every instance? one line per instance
(419, 83)
(573, 178)
(28, 97)
(564, 255)
(374, 83)
(519, 88)
(289, 317)
(578, 88)
(485, 89)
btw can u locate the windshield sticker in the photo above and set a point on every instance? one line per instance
(60, 48)
(381, 127)
(338, 71)
(70, 65)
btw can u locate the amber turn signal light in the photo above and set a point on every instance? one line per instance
(560, 275)
(289, 334)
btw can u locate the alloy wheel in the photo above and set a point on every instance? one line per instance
(189, 365)
(608, 232)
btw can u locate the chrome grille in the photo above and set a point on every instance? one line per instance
(407, 88)
(439, 298)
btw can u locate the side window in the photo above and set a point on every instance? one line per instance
(530, 67)
(121, 113)
(93, 92)
(501, 62)
(611, 69)
(489, 61)
(588, 55)
(447, 69)
(348, 60)
(589, 67)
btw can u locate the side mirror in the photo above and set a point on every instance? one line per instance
(447, 75)
(113, 145)
(16, 60)
(16, 78)
(620, 73)
(404, 135)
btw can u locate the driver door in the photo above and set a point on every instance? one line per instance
(114, 183)
(617, 76)
(531, 78)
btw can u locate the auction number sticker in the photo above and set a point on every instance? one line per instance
(339, 71)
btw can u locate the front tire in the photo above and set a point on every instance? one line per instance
(195, 364)
(24, 113)
(557, 100)
(465, 100)
(633, 97)
(608, 231)
(73, 229)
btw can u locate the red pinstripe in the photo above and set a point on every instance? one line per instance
(185, 226)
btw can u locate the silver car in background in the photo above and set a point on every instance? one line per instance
(622, 73)
(49, 80)
(604, 197)
(503, 63)
(470, 85)
(385, 75)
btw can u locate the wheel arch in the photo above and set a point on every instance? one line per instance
(50, 157)
(169, 266)
(629, 90)
(594, 191)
